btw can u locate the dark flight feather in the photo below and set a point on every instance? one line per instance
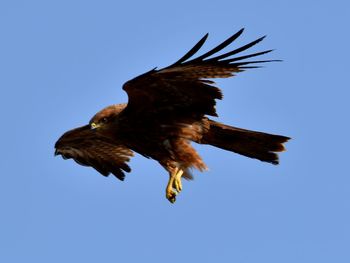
(219, 47)
(192, 51)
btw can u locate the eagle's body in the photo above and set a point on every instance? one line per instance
(167, 110)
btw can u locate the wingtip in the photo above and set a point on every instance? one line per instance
(261, 38)
(239, 33)
(204, 38)
(241, 30)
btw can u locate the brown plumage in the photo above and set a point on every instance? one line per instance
(167, 109)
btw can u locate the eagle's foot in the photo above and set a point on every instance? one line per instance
(177, 181)
(174, 186)
(170, 192)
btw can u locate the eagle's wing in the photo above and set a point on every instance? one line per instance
(183, 88)
(87, 147)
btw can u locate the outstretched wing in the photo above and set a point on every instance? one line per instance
(184, 88)
(87, 147)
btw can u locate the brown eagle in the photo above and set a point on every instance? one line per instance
(166, 111)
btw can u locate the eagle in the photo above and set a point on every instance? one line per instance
(167, 110)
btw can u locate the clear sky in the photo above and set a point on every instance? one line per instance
(62, 61)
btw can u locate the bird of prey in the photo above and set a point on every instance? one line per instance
(168, 109)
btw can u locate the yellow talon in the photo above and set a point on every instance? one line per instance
(174, 186)
(177, 181)
(169, 192)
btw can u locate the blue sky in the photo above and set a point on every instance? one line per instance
(62, 61)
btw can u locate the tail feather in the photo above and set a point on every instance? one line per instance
(258, 145)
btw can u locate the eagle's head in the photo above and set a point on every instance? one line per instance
(106, 116)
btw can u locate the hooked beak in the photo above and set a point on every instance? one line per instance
(94, 126)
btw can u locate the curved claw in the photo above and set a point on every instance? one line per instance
(171, 196)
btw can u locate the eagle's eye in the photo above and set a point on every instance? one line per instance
(104, 120)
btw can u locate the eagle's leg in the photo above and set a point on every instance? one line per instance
(174, 184)
(177, 181)
(170, 192)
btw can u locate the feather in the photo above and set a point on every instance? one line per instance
(192, 51)
(219, 47)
